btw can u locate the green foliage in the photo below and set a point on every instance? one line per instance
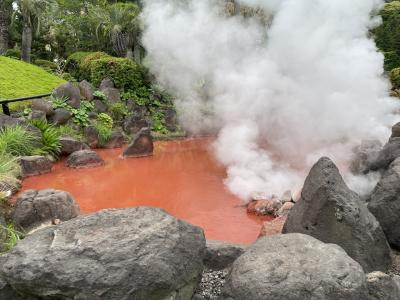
(50, 138)
(81, 114)
(19, 79)
(49, 66)
(105, 120)
(13, 236)
(104, 125)
(100, 95)
(118, 111)
(17, 141)
(159, 122)
(13, 53)
(67, 130)
(67, 77)
(73, 64)
(10, 171)
(395, 77)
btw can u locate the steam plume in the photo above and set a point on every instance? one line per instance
(303, 81)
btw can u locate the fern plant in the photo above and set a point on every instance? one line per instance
(50, 138)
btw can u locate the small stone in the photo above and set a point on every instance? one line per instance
(141, 146)
(84, 159)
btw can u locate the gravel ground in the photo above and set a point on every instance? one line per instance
(211, 285)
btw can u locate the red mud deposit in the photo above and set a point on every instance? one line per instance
(181, 177)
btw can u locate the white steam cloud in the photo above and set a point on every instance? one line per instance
(279, 94)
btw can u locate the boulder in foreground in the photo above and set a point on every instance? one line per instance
(34, 208)
(84, 159)
(135, 253)
(383, 287)
(142, 145)
(35, 165)
(293, 267)
(329, 211)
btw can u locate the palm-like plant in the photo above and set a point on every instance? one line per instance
(120, 23)
(31, 12)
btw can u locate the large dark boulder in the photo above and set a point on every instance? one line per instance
(384, 203)
(106, 83)
(69, 91)
(113, 95)
(142, 145)
(86, 89)
(386, 156)
(294, 267)
(116, 140)
(7, 121)
(329, 211)
(100, 106)
(70, 145)
(132, 124)
(35, 165)
(61, 116)
(383, 287)
(91, 136)
(220, 255)
(363, 155)
(137, 253)
(84, 159)
(37, 115)
(43, 105)
(34, 208)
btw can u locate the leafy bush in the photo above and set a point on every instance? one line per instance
(49, 66)
(80, 115)
(50, 138)
(159, 124)
(104, 125)
(118, 111)
(67, 130)
(100, 95)
(395, 78)
(17, 141)
(73, 64)
(105, 120)
(10, 171)
(67, 77)
(13, 53)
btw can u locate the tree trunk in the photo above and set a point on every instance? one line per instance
(137, 54)
(26, 43)
(4, 14)
(129, 54)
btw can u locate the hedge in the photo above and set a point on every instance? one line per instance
(73, 64)
(395, 78)
(46, 64)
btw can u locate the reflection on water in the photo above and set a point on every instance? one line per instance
(181, 177)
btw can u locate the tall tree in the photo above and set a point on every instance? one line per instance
(5, 13)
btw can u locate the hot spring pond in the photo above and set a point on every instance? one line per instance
(182, 177)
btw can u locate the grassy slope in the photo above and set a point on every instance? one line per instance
(19, 79)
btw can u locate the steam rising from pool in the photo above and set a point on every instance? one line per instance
(302, 80)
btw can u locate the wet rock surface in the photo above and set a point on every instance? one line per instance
(273, 227)
(35, 165)
(329, 211)
(70, 145)
(293, 267)
(142, 145)
(386, 156)
(84, 159)
(34, 208)
(135, 253)
(117, 140)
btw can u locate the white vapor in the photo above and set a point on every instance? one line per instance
(280, 95)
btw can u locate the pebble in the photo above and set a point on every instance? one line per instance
(211, 285)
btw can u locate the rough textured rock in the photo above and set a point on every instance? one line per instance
(272, 227)
(382, 286)
(210, 287)
(395, 131)
(43, 105)
(86, 90)
(117, 140)
(106, 83)
(329, 211)
(113, 95)
(91, 136)
(61, 116)
(134, 123)
(137, 253)
(7, 121)
(384, 203)
(69, 91)
(264, 207)
(34, 208)
(84, 159)
(3, 232)
(293, 267)
(8, 293)
(285, 209)
(37, 115)
(386, 156)
(35, 165)
(100, 106)
(220, 255)
(70, 145)
(364, 155)
(142, 145)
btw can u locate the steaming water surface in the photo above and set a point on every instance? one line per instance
(182, 177)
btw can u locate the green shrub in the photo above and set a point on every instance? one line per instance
(159, 123)
(67, 77)
(395, 77)
(67, 130)
(50, 138)
(73, 64)
(13, 236)
(49, 66)
(118, 111)
(13, 53)
(80, 115)
(104, 124)
(100, 95)
(17, 141)
(10, 171)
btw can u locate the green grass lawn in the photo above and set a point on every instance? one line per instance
(19, 79)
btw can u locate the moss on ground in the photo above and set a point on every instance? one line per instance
(19, 79)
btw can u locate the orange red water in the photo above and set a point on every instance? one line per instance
(182, 177)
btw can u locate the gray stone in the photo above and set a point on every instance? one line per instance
(70, 145)
(106, 83)
(382, 286)
(34, 208)
(142, 145)
(86, 89)
(84, 159)
(43, 105)
(221, 255)
(329, 211)
(395, 131)
(386, 156)
(294, 267)
(91, 136)
(69, 91)
(364, 155)
(61, 116)
(113, 95)
(134, 123)
(100, 106)
(117, 140)
(384, 203)
(7, 121)
(137, 253)
(37, 115)
(35, 165)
